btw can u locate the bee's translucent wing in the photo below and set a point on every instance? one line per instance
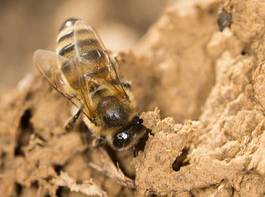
(86, 38)
(91, 51)
(49, 65)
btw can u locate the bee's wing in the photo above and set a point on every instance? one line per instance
(113, 66)
(86, 40)
(49, 65)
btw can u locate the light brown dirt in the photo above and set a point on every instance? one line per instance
(209, 83)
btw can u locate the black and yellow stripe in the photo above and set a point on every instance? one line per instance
(77, 37)
(83, 37)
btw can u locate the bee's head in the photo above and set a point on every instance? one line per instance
(116, 116)
(128, 136)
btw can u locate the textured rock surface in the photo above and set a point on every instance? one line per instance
(211, 84)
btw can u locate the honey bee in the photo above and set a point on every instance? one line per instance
(84, 72)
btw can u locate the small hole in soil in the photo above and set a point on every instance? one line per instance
(58, 168)
(18, 188)
(35, 184)
(62, 191)
(151, 194)
(79, 182)
(243, 52)
(48, 178)
(181, 160)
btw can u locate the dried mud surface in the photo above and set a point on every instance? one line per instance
(210, 86)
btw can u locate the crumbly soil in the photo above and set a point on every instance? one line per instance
(199, 78)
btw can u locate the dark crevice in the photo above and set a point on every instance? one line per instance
(35, 184)
(224, 19)
(151, 194)
(86, 134)
(62, 191)
(25, 131)
(232, 191)
(58, 168)
(2, 159)
(18, 189)
(25, 120)
(79, 182)
(111, 153)
(142, 142)
(113, 156)
(48, 178)
(181, 160)
(243, 52)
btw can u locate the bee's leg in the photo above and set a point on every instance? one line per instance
(108, 52)
(72, 120)
(98, 141)
(134, 151)
(112, 58)
(126, 84)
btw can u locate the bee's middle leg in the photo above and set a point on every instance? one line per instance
(98, 141)
(72, 120)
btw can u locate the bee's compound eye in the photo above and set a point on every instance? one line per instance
(69, 22)
(137, 121)
(122, 139)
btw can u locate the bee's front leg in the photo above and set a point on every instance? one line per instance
(126, 84)
(134, 151)
(72, 120)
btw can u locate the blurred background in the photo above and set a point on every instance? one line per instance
(31, 24)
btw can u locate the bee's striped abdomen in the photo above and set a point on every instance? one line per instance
(77, 39)
(82, 37)
(65, 39)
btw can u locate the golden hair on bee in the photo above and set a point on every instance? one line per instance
(87, 74)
